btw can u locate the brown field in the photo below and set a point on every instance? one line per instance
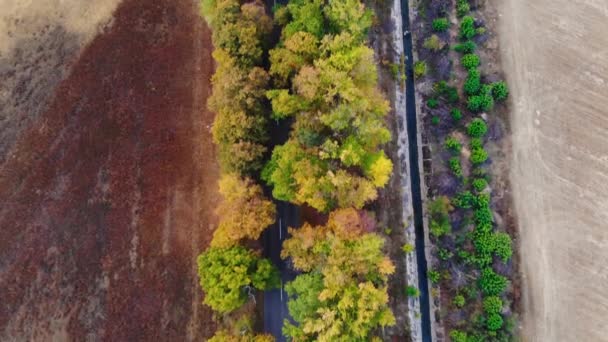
(555, 56)
(107, 170)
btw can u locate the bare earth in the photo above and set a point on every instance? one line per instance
(107, 170)
(555, 56)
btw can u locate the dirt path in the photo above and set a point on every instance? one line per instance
(107, 194)
(555, 55)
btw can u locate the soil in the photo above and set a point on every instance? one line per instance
(555, 55)
(108, 183)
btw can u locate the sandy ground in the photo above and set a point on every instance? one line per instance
(108, 177)
(555, 56)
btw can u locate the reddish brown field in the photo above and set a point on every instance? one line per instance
(107, 196)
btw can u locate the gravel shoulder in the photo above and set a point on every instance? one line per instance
(555, 57)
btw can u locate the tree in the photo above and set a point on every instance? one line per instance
(228, 274)
(412, 291)
(462, 8)
(440, 24)
(455, 166)
(226, 336)
(477, 128)
(419, 69)
(452, 144)
(492, 304)
(467, 28)
(500, 91)
(472, 84)
(456, 114)
(494, 322)
(465, 47)
(479, 184)
(459, 301)
(478, 156)
(439, 216)
(503, 246)
(469, 61)
(433, 43)
(244, 212)
(480, 103)
(490, 283)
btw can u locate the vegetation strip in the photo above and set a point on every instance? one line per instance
(467, 243)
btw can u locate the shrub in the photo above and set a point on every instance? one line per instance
(439, 216)
(479, 184)
(462, 8)
(434, 276)
(452, 144)
(490, 283)
(494, 322)
(472, 84)
(500, 91)
(492, 304)
(407, 248)
(456, 114)
(459, 336)
(476, 143)
(469, 61)
(455, 166)
(441, 24)
(463, 199)
(435, 120)
(503, 246)
(467, 28)
(419, 69)
(459, 301)
(432, 43)
(432, 103)
(465, 47)
(478, 156)
(412, 291)
(477, 128)
(444, 254)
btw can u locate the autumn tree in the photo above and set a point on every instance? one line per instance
(343, 296)
(228, 276)
(226, 336)
(244, 211)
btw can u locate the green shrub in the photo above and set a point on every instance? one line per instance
(459, 336)
(432, 43)
(490, 283)
(439, 216)
(441, 24)
(432, 103)
(469, 61)
(492, 304)
(500, 91)
(455, 166)
(480, 103)
(503, 246)
(476, 143)
(434, 276)
(419, 69)
(442, 89)
(477, 128)
(494, 322)
(478, 156)
(456, 114)
(452, 144)
(462, 8)
(467, 28)
(444, 254)
(479, 184)
(435, 120)
(463, 199)
(407, 248)
(465, 47)
(472, 84)
(412, 291)
(459, 301)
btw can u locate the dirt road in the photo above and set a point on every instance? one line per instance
(555, 56)
(107, 171)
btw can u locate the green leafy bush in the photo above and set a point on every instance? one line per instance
(494, 322)
(470, 60)
(477, 128)
(478, 156)
(465, 47)
(419, 69)
(455, 166)
(472, 84)
(456, 114)
(441, 24)
(407, 248)
(492, 304)
(464, 199)
(452, 144)
(459, 301)
(434, 276)
(432, 103)
(412, 291)
(467, 28)
(444, 254)
(476, 143)
(500, 91)
(459, 336)
(432, 43)
(490, 283)
(435, 120)
(462, 8)
(439, 216)
(503, 246)
(481, 103)
(479, 184)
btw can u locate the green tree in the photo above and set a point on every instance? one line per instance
(492, 304)
(456, 114)
(419, 69)
(477, 128)
(433, 43)
(478, 156)
(503, 246)
(490, 283)
(453, 145)
(226, 336)
(465, 47)
(441, 24)
(494, 322)
(455, 166)
(412, 291)
(469, 61)
(459, 301)
(439, 216)
(479, 184)
(227, 274)
(467, 28)
(500, 91)
(472, 84)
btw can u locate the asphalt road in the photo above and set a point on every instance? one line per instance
(275, 301)
(412, 133)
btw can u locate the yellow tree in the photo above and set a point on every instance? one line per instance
(244, 211)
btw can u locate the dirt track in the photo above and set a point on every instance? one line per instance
(107, 178)
(555, 55)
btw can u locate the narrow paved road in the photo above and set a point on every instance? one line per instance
(412, 133)
(275, 301)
